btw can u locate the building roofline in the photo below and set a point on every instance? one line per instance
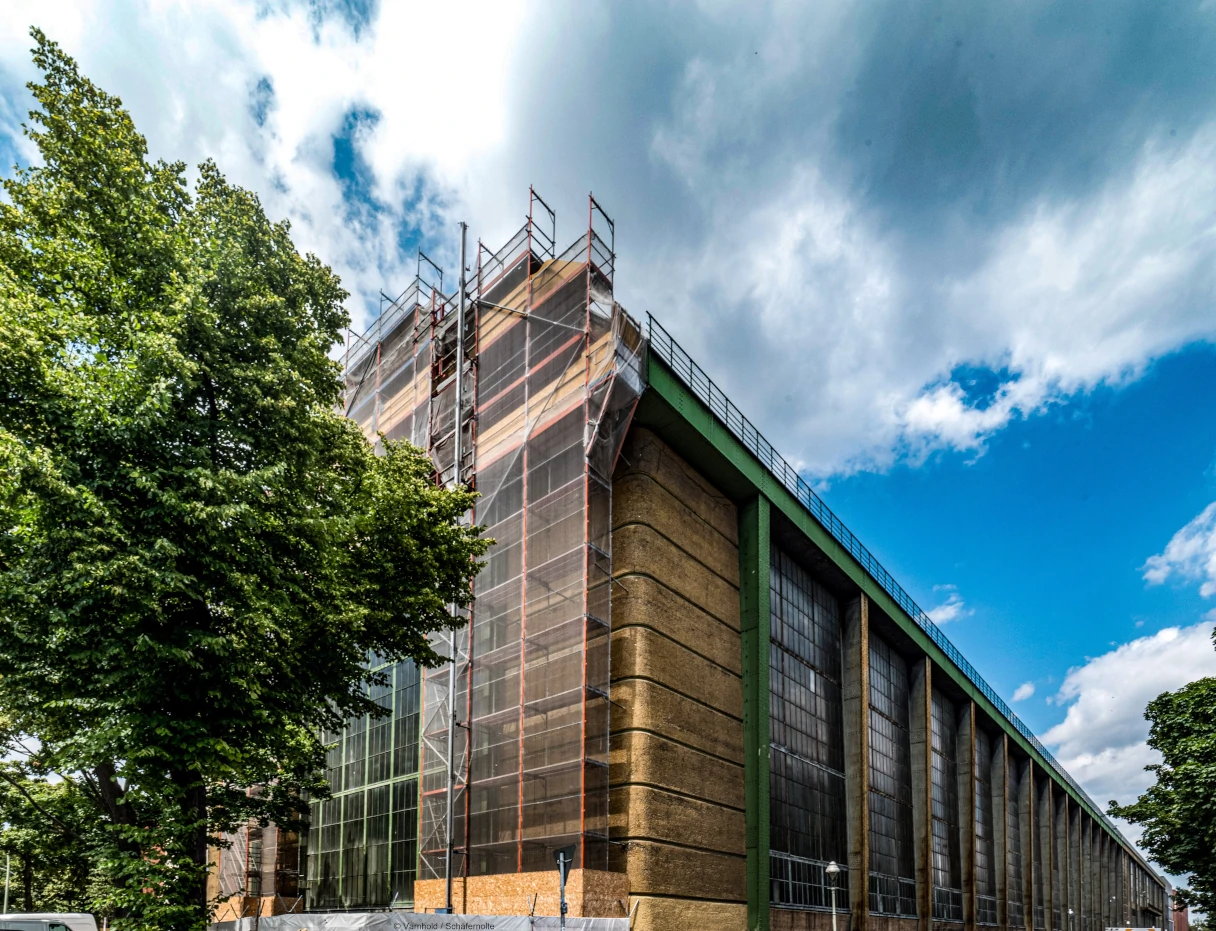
(692, 378)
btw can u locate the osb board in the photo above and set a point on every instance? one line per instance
(589, 894)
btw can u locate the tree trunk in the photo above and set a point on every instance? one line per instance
(194, 805)
(27, 880)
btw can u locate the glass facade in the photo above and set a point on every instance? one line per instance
(892, 860)
(362, 842)
(806, 730)
(947, 858)
(1013, 828)
(985, 846)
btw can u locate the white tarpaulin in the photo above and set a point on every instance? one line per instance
(407, 921)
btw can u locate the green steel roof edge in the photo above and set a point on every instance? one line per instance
(681, 398)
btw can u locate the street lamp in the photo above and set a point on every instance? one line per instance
(833, 871)
(8, 862)
(1071, 922)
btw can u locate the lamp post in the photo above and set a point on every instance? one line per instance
(833, 872)
(564, 859)
(1071, 921)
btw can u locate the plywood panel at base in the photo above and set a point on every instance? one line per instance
(589, 894)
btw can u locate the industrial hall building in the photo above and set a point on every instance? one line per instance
(678, 662)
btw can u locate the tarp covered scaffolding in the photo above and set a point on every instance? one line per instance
(552, 372)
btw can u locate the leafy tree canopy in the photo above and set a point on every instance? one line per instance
(1178, 812)
(198, 552)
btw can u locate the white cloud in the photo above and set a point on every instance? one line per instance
(852, 350)
(187, 72)
(1190, 554)
(713, 136)
(951, 609)
(1023, 691)
(1102, 739)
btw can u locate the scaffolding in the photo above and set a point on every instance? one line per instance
(257, 872)
(551, 371)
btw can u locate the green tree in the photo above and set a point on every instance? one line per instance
(49, 835)
(198, 552)
(1178, 812)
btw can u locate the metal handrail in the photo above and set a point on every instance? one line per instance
(695, 379)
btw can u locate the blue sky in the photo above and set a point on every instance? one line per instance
(957, 261)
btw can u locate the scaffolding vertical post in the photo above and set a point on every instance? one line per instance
(456, 479)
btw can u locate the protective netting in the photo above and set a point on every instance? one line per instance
(551, 373)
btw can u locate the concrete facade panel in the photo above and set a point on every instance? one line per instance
(640, 653)
(661, 914)
(642, 758)
(657, 814)
(681, 873)
(641, 601)
(676, 750)
(639, 499)
(639, 704)
(645, 453)
(641, 550)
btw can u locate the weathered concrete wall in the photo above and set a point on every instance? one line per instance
(677, 718)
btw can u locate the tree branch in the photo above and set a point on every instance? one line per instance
(34, 803)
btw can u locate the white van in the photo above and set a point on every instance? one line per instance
(48, 921)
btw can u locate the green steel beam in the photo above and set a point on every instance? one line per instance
(754, 536)
(684, 421)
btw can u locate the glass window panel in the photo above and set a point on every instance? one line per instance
(806, 733)
(947, 859)
(892, 859)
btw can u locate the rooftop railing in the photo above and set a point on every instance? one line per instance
(695, 379)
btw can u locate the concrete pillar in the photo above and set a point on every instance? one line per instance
(754, 566)
(965, 767)
(1026, 811)
(1060, 820)
(1104, 887)
(856, 693)
(921, 741)
(1096, 923)
(1076, 885)
(1000, 832)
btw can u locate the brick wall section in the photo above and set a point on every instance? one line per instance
(677, 716)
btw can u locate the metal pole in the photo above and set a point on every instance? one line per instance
(451, 812)
(562, 867)
(833, 903)
(8, 862)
